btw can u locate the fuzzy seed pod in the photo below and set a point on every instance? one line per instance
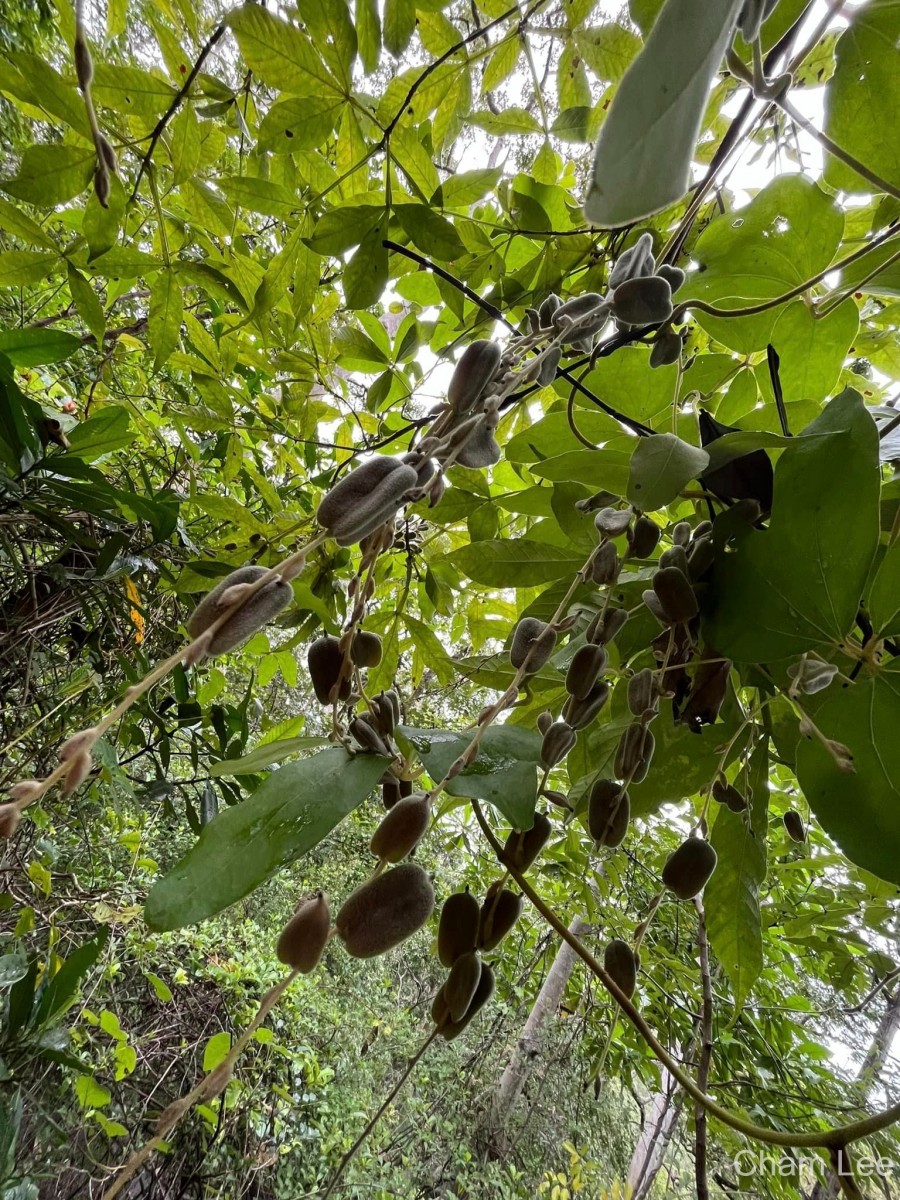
(580, 713)
(461, 985)
(636, 261)
(325, 660)
(483, 993)
(811, 675)
(78, 743)
(727, 794)
(751, 17)
(609, 812)
(84, 64)
(558, 741)
(666, 349)
(642, 695)
(560, 799)
(675, 594)
(612, 522)
(793, 823)
(643, 537)
(688, 869)
(584, 669)
(646, 300)
(702, 529)
(544, 721)
(651, 600)
(481, 448)
(108, 156)
(604, 628)
(681, 534)
(674, 276)
(253, 614)
(102, 184)
(25, 792)
(675, 556)
(368, 737)
(524, 845)
(424, 468)
(303, 939)
(382, 713)
(10, 816)
(385, 911)
(440, 1013)
(402, 829)
(79, 769)
(533, 640)
(634, 753)
(549, 367)
(708, 691)
(547, 309)
(366, 649)
(390, 792)
(701, 557)
(436, 490)
(581, 316)
(498, 915)
(477, 366)
(605, 565)
(621, 963)
(366, 498)
(458, 927)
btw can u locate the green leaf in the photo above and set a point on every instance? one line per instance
(368, 33)
(36, 347)
(731, 897)
(300, 123)
(166, 309)
(342, 228)
(16, 223)
(87, 303)
(399, 24)
(90, 1093)
(11, 1109)
(52, 175)
(884, 595)
(798, 584)
(502, 63)
(504, 773)
(184, 145)
(20, 419)
(608, 50)
(863, 97)
(466, 187)
(19, 268)
(660, 467)
(62, 987)
(290, 813)
(509, 120)
(13, 967)
(366, 275)
(430, 231)
(279, 53)
(101, 225)
(160, 987)
(109, 430)
(861, 811)
(216, 1051)
(130, 91)
(646, 145)
(733, 445)
(515, 562)
(812, 349)
(266, 756)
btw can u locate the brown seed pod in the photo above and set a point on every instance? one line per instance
(643, 537)
(439, 1010)
(385, 911)
(793, 823)
(477, 366)
(547, 309)
(256, 612)
(544, 721)
(675, 595)
(325, 660)
(366, 649)
(621, 963)
(701, 557)
(681, 533)
(609, 812)
(481, 449)
(646, 300)
(651, 600)
(642, 696)
(558, 741)
(498, 915)
(79, 769)
(605, 565)
(688, 869)
(303, 939)
(612, 522)
(461, 985)
(532, 638)
(560, 799)
(708, 691)
(366, 498)
(390, 792)
(10, 816)
(604, 628)
(580, 713)
(483, 993)
(634, 753)
(675, 556)
(458, 927)
(587, 663)
(549, 366)
(402, 828)
(84, 64)
(634, 262)
(581, 316)
(727, 794)
(524, 845)
(674, 276)
(368, 736)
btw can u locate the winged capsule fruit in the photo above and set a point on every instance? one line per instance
(524, 845)
(366, 498)
(253, 614)
(365, 650)
(580, 713)
(483, 993)
(533, 641)
(634, 753)
(557, 742)
(621, 964)
(498, 915)
(584, 669)
(674, 276)
(793, 823)
(401, 829)
(325, 660)
(303, 939)
(477, 366)
(689, 868)
(458, 927)
(461, 985)
(637, 260)
(609, 812)
(385, 911)
(675, 594)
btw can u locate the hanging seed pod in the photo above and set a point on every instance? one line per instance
(646, 300)
(440, 1013)
(79, 769)
(402, 829)
(382, 714)
(303, 939)
(544, 721)
(634, 753)
(810, 675)
(366, 498)
(548, 308)
(708, 691)
(325, 660)
(533, 640)
(612, 522)
(424, 468)
(675, 594)
(10, 816)
(751, 17)
(604, 628)
(675, 556)
(651, 600)
(641, 693)
(368, 737)
(701, 557)
(605, 565)
(483, 993)
(549, 366)
(26, 791)
(587, 664)
(666, 349)
(79, 743)
(477, 366)
(580, 713)
(461, 985)
(681, 533)
(621, 963)
(458, 927)
(436, 490)
(261, 607)
(609, 813)
(727, 794)
(385, 911)
(581, 316)
(560, 799)
(643, 537)
(481, 449)
(793, 823)
(524, 845)
(498, 915)
(390, 792)
(688, 869)
(558, 741)
(366, 649)
(636, 261)
(674, 276)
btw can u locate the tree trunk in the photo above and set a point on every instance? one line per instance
(528, 1047)
(659, 1128)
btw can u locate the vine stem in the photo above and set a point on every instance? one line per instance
(828, 1139)
(701, 1178)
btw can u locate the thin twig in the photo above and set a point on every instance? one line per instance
(706, 1045)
